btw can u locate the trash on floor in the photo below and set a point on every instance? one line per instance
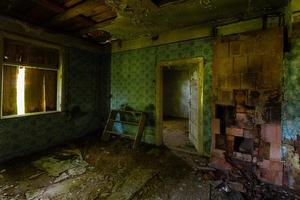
(67, 161)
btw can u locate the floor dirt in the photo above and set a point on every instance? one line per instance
(176, 134)
(147, 173)
(88, 169)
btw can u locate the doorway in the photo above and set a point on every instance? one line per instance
(179, 97)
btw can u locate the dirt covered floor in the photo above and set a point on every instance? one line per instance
(91, 170)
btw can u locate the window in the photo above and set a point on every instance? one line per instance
(30, 78)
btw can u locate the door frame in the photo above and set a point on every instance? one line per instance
(159, 98)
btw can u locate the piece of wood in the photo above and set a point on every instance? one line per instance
(60, 10)
(108, 127)
(97, 26)
(96, 10)
(49, 5)
(121, 135)
(15, 27)
(75, 11)
(69, 3)
(108, 14)
(108, 130)
(139, 135)
(126, 122)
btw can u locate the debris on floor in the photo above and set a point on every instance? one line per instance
(92, 170)
(69, 161)
(133, 183)
(242, 183)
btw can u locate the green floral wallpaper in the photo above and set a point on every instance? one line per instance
(291, 103)
(133, 79)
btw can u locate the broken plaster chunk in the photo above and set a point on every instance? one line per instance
(54, 166)
(77, 171)
(62, 177)
(36, 175)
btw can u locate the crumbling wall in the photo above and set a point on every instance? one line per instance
(133, 79)
(85, 100)
(247, 87)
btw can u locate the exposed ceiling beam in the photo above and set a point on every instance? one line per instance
(60, 10)
(70, 3)
(97, 26)
(49, 5)
(13, 26)
(104, 15)
(75, 11)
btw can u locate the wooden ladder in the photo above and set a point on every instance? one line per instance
(107, 132)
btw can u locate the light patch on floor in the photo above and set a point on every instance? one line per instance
(176, 134)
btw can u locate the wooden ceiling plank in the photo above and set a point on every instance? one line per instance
(95, 11)
(70, 3)
(103, 16)
(49, 5)
(85, 21)
(97, 26)
(60, 10)
(13, 26)
(75, 11)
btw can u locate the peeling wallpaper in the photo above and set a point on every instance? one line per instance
(86, 89)
(133, 79)
(291, 103)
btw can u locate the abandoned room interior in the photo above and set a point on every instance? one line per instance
(149, 99)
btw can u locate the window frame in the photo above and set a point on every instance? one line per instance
(59, 96)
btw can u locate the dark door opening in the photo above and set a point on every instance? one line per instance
(176, 108)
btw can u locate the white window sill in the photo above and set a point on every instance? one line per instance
(29, 114)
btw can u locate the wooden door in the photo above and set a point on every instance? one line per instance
(194, 107)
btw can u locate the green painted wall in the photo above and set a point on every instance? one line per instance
(291, 114)
(291, 101)
(133, 79)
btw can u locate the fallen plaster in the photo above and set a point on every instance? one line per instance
(114, 171)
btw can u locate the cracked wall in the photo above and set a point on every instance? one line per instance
(247, 74)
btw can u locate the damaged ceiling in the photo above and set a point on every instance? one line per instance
(143, 17)
(128, 19)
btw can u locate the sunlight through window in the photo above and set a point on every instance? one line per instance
(21, 91)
